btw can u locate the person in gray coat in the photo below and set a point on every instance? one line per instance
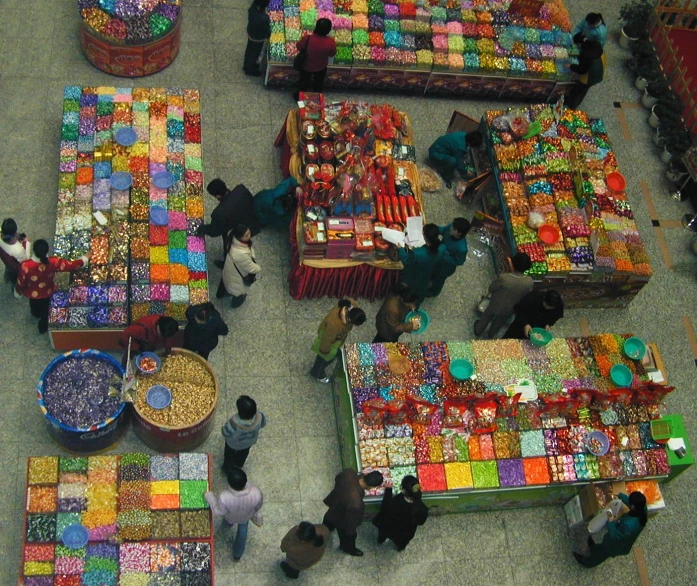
(505, 291)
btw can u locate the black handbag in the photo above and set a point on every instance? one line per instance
(248, 279)
(299, 60)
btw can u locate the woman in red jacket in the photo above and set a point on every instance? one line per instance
(35, 279)
(319, 47)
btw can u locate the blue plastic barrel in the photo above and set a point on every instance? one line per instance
(96, 438)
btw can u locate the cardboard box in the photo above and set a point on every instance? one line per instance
(590, 505)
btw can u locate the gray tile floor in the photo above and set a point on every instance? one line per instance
(268, 351)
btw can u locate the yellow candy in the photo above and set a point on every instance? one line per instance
(43, 470)
(38, 568)
(164, 487)
(458, 475)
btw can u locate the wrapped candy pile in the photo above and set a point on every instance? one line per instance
(118, 498)
(192, 387)
(75, 390)
(472, 434)
(130, 22)
(473, 36)
(559, 177)
(167, 263)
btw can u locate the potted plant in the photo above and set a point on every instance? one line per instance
(664, 111)
(635, 15)
(676, 171)
(647, 69)
(677, 145)
(657, 89)
(641, 49)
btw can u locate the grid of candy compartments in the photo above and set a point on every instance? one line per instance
(135, 496)
(464, 36)
(94, 296)
(184, 563)
(167, 263)
(526, 448)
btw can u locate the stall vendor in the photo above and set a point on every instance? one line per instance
(538, 309)
(592, 27)
(235, 207)
(447, 154)
(148, 334)
(274, 206)
(455, 253)
(420, 263)
(621, 534)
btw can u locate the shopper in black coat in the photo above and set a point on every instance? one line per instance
(203, 326)
(400, 515)
(538, 309)
(258, 30)
(235, 207)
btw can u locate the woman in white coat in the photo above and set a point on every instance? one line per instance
(241, 267)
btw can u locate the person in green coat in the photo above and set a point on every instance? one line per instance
(420, 263)
(455, 253)
(273, 206)
(447, 154)
(621, 534)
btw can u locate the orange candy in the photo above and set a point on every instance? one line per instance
(178, 274)
(536, 470)
(164, 501)
(85, 175)
(42, 499)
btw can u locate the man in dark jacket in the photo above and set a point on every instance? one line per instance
(591, 68)
(258, 30)
(538, 309)
(235, 207)
(203, 326)
(346, 506)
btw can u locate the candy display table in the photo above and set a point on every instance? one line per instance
(559, 177)
(130, 39)
(361, 265)
(147, 519)
(471, 445)
(485, 49)
(138, 265)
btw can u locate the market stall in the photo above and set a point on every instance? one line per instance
(356, 164)
(520, 432)
(130, 38)
(512, 50)
(564, 204)
(130, 191)
(142, 520)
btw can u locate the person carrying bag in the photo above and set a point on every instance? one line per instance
(241, 268)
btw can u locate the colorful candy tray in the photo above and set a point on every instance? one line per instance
(561, 176)
(526, 446)
(146, 515)
(136, 267)
(465, 37)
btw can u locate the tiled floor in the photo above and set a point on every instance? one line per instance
(267, 352)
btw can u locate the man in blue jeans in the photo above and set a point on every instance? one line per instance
(239, 504)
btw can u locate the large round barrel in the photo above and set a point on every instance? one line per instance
(94, 421)
(188, 421)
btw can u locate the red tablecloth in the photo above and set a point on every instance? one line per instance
(363, 280)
